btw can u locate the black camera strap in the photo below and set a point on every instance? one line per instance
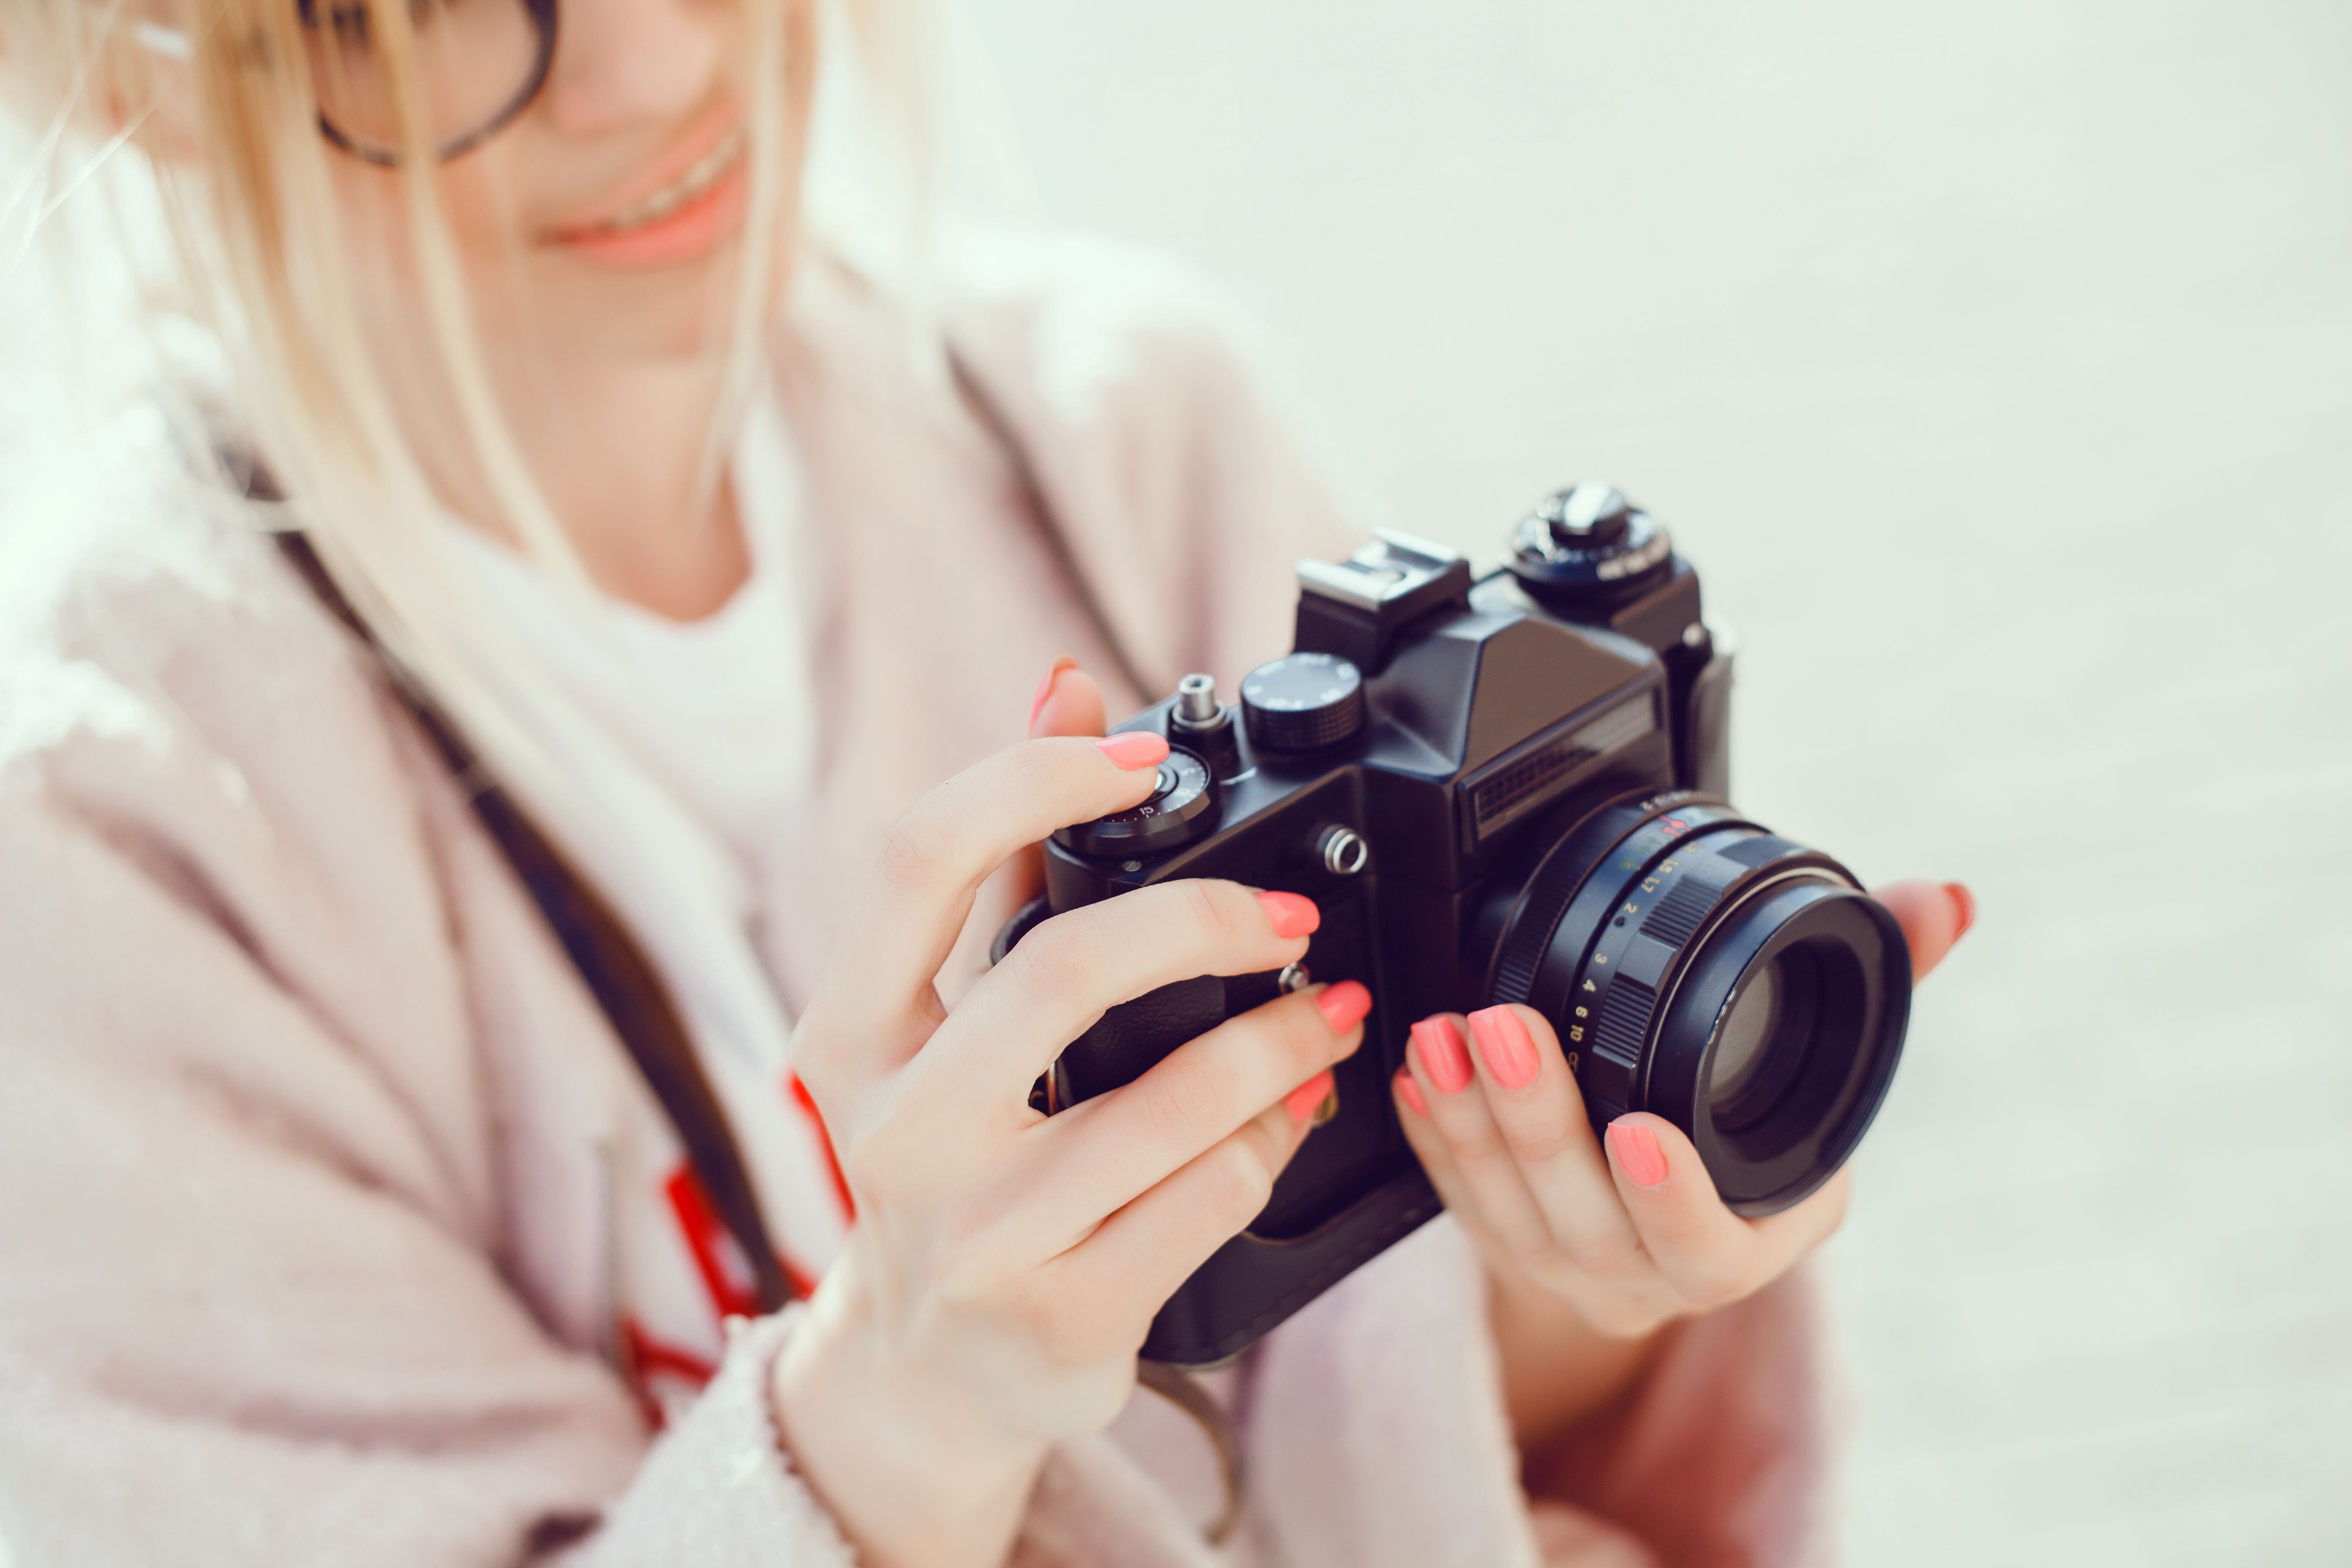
(627, 988)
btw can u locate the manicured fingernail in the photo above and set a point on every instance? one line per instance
(1291, 914)
(1506, 1046)
(1410, 1092)
(1344, 1005)
(1135, 749)
(1636, 1149)
(1303, 1101)
(1444, 1057)
(1966, 902)
(1045, 688)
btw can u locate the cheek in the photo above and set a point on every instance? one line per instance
(484, 209)
(477, 205)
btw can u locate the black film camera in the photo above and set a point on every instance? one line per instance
(1510, 790)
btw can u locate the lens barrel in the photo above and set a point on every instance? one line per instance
(1697, 966)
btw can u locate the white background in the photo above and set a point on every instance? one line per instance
(1994, 362)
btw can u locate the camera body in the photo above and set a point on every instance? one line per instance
(1471, 779)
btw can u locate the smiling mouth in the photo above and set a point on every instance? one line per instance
(706, 172)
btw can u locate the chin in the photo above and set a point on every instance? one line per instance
(682, 309)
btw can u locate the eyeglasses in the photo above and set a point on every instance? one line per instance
(479, 64)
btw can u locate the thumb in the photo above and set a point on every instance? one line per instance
(1068, 702)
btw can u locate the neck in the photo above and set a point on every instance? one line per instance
(621, 451)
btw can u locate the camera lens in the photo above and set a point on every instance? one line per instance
(1739, 1050)
(1697, 966)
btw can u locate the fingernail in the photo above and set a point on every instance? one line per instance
(1344, 1004)
(1291, 914)
(1135, 749)
(1509, 1051)
(1966, 902)
(1636, 1149)
(1410, 1092)
(1045, 688)
(1444, 1057)
(1303, 1101)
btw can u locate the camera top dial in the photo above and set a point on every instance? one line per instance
(1587, 546)
(1182, 806)
(1302, 701)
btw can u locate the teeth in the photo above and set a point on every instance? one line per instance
(705, 174)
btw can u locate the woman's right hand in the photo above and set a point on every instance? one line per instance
(1004, 1268)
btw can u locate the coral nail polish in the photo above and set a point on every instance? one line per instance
(1636, 1149)
(1045, 688)
(1410, 1092)
(1344, 1005)
(1290, 914)
(1966, 902)
(1307, 1098)
(1505, 1045)
(1444, 1057)
(1135, 750)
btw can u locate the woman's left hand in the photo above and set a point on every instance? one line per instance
(1625, 1239)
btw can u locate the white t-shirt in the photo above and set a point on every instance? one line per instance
(721, 710)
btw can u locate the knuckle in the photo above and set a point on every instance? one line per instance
(1547, 1260)
(1620, 1316)
(892, 1164)
(1207, 906)
(873, 1168)
(1546, 1141)
(1707, 1288)
(1616, 1258)
(1059, 958)
(1190, 1105)
(1240, 1180)
(1068, 1330)
(1483, 1145)
(916, 847)
(964, 1282)
(1303, 1039)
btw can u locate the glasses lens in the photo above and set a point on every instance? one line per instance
(475, 60)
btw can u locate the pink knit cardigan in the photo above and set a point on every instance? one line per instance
(299, 1226)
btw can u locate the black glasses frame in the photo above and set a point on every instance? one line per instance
(543, 18)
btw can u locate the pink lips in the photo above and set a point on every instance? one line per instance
(687, 230)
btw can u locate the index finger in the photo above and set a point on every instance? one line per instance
(933, 860)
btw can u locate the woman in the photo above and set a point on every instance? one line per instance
(342, 1218)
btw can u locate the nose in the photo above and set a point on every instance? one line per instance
(625, 62)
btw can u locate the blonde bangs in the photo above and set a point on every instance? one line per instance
(261, 260)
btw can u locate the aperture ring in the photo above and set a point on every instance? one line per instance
(1612, 989)
(1527, 934)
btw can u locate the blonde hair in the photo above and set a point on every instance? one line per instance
(256, 255)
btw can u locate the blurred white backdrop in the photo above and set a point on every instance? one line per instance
(1994, 362)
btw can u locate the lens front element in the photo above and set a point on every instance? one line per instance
(1740, 985)
(1739, 1049)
